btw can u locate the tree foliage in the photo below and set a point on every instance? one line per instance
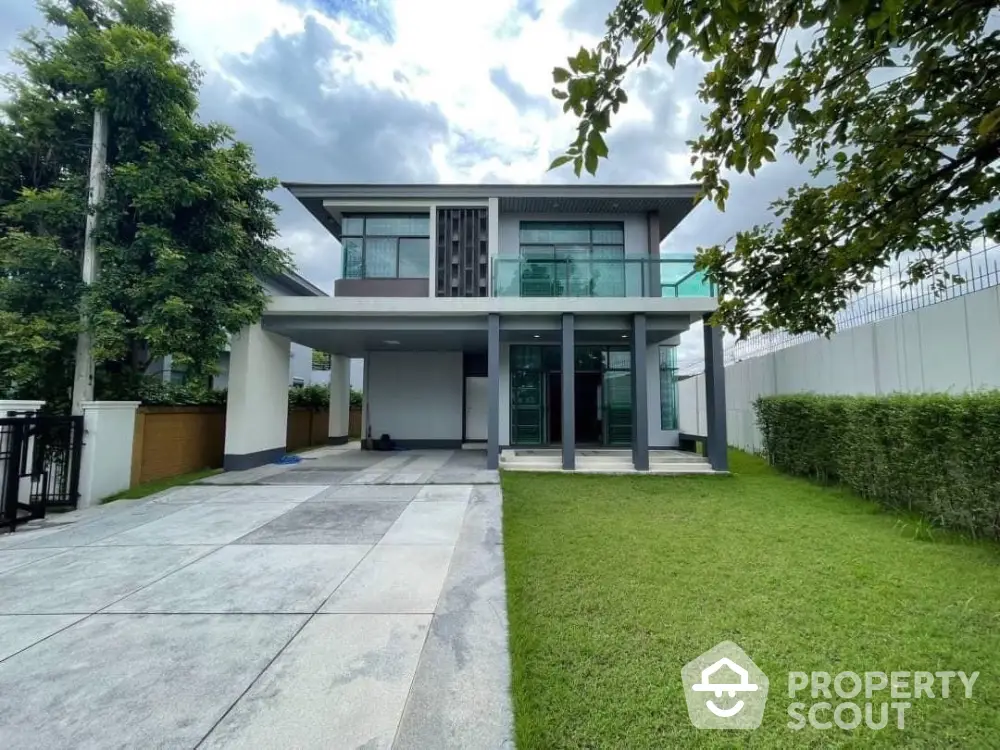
(894, 102)
(186, 226)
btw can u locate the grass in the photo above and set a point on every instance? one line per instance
(149, 488)
(614, 583)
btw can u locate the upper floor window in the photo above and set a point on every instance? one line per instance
(579, 236)
(386, 246)
(575, 259)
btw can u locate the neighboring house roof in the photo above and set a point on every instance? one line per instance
(296, 285)
(671, 202)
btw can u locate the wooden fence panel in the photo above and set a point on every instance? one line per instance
(173, 440)
(299, 429)
(320, 428)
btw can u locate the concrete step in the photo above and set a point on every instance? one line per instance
(681, 469)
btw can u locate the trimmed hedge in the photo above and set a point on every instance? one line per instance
(934, 454)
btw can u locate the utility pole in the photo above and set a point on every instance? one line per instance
(83, 376)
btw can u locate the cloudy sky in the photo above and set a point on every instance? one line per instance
(430, 91)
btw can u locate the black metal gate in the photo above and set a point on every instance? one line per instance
(39, 466)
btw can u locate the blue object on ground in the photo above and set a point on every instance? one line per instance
(286, 459)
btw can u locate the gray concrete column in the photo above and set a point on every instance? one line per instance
(493, 371)
(640, 395)
(715, 398)
(568, 392)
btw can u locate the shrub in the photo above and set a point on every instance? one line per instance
(152, 391)
(934, 454)
(315, 396)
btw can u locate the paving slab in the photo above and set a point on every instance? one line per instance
(310, 477)
(394, 579)
(87, 579)
(15, 558)
(135, 681)
(470, 476)
(18, 632)
(341, 683)
(329, 523)
(460, 697)
(427, 523)
(96, 529)
(360, 492)
(273, 493)
(455, 492)
(206, 523)
(484, 518)
(190, 493)
(251, 579)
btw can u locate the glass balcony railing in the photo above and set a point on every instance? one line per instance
(619, 277)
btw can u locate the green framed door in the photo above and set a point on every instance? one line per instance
(527, 396)
(616, 387)
(527, 407)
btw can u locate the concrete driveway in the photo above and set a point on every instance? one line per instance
(354, 600)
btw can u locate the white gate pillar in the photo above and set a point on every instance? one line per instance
(257, 405)
(106, 459)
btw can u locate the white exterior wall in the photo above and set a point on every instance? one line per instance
(340, 396)
(948, 347)
(415, 395)
(257, 406)
(636, 229)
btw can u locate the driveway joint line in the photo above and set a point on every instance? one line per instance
(273, 659)
(87, 616)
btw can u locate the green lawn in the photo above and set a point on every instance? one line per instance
(614, 583)
(144, 490)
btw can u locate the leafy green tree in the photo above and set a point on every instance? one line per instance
(186, 227)
(894, 102)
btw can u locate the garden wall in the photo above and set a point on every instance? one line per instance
(948, 347)
(174, 440)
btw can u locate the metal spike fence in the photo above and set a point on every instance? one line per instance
(883, 298)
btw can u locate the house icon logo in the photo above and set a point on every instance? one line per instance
(724, 689)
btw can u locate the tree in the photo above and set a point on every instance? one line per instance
(186, 227)
(893, 102)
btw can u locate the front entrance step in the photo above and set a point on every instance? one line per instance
(592, 462)
(665, 454)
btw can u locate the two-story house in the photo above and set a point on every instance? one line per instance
(511, 315)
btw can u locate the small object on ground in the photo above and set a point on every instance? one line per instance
(286, 459)
(385, 442)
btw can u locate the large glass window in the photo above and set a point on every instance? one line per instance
(668, 387)
(386, 246)
(572, 259)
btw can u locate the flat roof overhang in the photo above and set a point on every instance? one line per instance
(670, 202)
(352, 327)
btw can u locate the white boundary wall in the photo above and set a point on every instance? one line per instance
(951, 347)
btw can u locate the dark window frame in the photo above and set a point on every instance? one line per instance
(583, 252)
(590, 225)
(364, 236)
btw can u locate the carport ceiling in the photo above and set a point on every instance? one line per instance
(354, 342)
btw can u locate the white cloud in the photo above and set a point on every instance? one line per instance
(454, 91)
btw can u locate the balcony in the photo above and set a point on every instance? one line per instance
(673, 277)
